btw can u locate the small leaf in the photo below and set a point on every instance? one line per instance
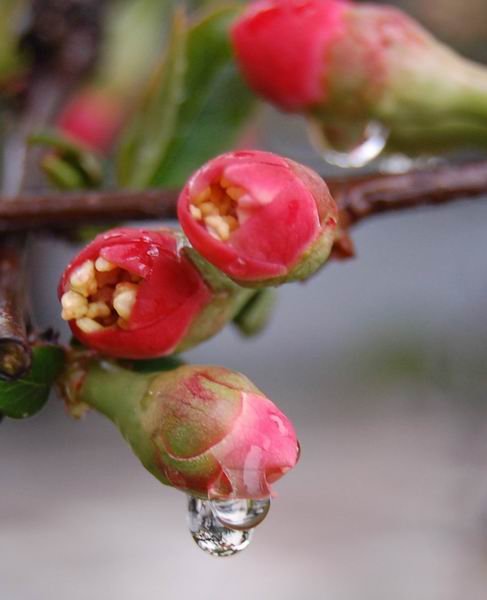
(26, 396)
(68, 165)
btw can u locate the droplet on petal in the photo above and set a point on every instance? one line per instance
(210, 534)
(241, 514)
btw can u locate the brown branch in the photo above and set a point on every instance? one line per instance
(68, 210)
(15, 351)
(357, 199)
(366, 197)
(61, 38)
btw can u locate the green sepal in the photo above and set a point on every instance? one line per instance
(254, 317)
(228, 300)
(153, 365)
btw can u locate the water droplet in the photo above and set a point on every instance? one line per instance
(210, 534)
(241, 514)
(352, 154)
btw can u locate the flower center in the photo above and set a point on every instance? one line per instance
(101, 295)
(218, 208)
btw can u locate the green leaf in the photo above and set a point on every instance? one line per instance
(154, 125)
(26, 396)
(216, 101)
(194, 109)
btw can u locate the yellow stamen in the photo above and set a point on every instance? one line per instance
(88, 325)
(98, 309)
(202, 196)
(195, 212)
(104, 265)
(74, 306)
(235, 193)
(83, 279)
(124, 299)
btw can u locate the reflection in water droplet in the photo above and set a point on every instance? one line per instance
(362, 151)
(399, 163)
(396, 164)
(210, 535)
(241, 514)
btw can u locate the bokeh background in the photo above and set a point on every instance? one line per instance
(381, 364)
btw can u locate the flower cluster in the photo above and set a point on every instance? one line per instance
(254, 219)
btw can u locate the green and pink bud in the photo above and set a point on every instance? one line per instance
(347, 64)
(260, 218)
(207, 431)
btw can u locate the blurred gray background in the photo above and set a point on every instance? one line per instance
(381, 364)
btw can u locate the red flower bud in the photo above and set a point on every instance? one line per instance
(258, 217)
(283, 48)
(130, 293)
(93, 118)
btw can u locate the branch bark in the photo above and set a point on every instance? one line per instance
(363, 198)
(15, 351)
(358, 199)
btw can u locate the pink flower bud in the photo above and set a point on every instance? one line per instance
(283, 48)
(93, 118)
(258, 217)
(216, 435)
(205, 430)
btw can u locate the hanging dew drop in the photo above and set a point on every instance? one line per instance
(365, 147)
(210, 534)
(241, 514)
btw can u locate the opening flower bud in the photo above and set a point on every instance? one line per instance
(258, 217)
(207, 431)
(131, 294)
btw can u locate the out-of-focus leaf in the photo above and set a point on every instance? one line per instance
(154, 125)
(207, 103)
(12, 12)
(216, 101)
(68, 165)
(25, 397)
(135, 31)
